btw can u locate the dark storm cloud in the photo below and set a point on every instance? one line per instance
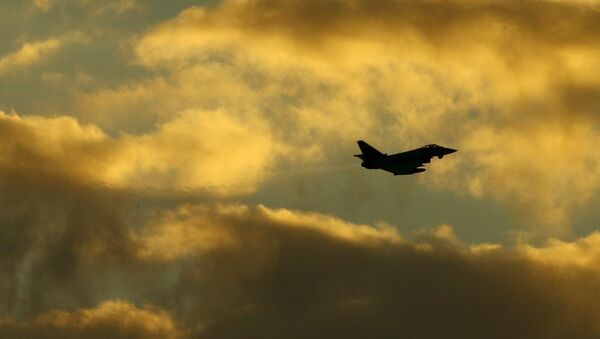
(55, 233)
(227, 271)
(298, 275)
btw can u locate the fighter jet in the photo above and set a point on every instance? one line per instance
(409, 162)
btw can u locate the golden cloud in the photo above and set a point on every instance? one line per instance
(582, 252)
(114, 319)
(519, 77)
(192, 230)
(43, 5)
(35, 52)
(198, 151)
(511, 84)
(29, 53)
(542, 172)
(218, 268)
(280, 266)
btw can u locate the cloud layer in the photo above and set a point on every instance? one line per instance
(291, 274)
(28, 54)
(119, 215)
(114, 319)
(71, 250)
(79, 260)
(229, 270)
(196, 151)
(485, 77)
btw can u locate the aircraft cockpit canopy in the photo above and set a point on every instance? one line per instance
(431, 146)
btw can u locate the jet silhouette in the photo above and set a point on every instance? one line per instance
(408, 162)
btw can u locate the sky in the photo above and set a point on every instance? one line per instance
(184, 169)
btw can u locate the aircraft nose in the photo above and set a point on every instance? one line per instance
(450, 150)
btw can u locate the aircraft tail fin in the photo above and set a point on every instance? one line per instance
(368, 151)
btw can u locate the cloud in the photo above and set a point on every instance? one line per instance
(221, 269)
(30, 53)
(580, 253)
(293, 274)
(305, 30)
(36, 52)
(102, 216)
(462, 73)
(543, 172)
(418, 71)
(95, 7)
(114, 319)
(197, 229)
(208, 151)
(117, 7)
(43, 5)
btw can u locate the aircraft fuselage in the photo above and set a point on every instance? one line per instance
(408, 162)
